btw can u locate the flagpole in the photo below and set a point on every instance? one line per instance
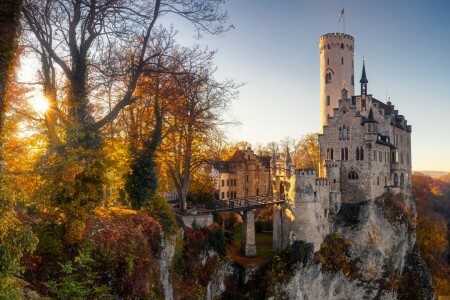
(343, 21)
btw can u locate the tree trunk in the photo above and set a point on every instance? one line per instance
(9, 25)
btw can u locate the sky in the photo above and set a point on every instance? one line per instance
(273, 49)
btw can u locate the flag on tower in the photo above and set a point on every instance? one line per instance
(341, 15)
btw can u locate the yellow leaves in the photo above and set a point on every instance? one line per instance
(431, 237)
(74, 232)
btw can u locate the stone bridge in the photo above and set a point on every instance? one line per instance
(249, 208)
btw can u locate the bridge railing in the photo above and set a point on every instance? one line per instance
(240, 203)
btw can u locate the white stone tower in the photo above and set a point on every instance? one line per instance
(336, 71)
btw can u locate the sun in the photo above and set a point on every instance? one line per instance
(39, 104)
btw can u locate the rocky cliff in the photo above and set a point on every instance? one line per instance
(378, 259)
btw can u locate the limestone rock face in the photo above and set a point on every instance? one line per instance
(382, 248)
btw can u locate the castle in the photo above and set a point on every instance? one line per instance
(365, 149)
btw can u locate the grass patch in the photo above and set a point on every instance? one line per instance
(263, 248)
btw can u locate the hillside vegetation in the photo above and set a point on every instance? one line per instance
(433, 219)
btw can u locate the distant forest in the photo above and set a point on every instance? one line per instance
(433, 219)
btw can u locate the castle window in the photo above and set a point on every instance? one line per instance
(332, 153)
(346, 153)
(342, 46)
(380, 156)
(342, 60)
(385, 181)
(340, 133)
(345, 132)
(228, 182)
(223, 195)
(328, 101)
(342, 154)
(328, 77)
(378, 180)
(228, 194)
(361, 154)
(328, 46)
(328, 153)
(395, 179)
(257, 192)
(357, 153)
(353, 175)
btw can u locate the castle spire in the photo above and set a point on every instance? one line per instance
(364, 82)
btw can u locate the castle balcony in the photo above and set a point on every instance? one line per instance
(395, 166)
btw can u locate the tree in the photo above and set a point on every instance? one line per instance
(9, 29)
(196, 117)
(100, 48)
(308, 152)
(15, 239)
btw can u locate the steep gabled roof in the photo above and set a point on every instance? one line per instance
(238, 157)
(265, 160)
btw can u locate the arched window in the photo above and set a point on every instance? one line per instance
(328, 153)
(328, 77)
(346, 153)
(395, 179)
(342, 46)
(340, 133)
(361, 153)
(353, 175)
(328, 46)
(328, 101)
(342, 154)
(402, 180)
(332, 154)
(342, 60)
(357, 153)
(344, 132)
(378, 180)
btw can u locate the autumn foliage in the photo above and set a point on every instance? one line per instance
(433, 215)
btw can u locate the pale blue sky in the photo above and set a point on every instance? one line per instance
(274, 50)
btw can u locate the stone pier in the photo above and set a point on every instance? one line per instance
(248, 245)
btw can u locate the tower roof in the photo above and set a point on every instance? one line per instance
(363, 76)
(370, 118)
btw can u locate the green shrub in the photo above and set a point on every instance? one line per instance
(334, 254)
(216, 241)
(160, 206)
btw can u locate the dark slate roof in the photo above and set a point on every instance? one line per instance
(238, 157)
(265, 160)
(370, 118)
(382, 105)
(384, 140)
(363, 76)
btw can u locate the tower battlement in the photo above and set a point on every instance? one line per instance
(322, 182)
(305, 173)
(336, 35)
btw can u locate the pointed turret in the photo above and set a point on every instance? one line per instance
(288, 162)
(363, 76)
(363, 82)
(370, 124)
